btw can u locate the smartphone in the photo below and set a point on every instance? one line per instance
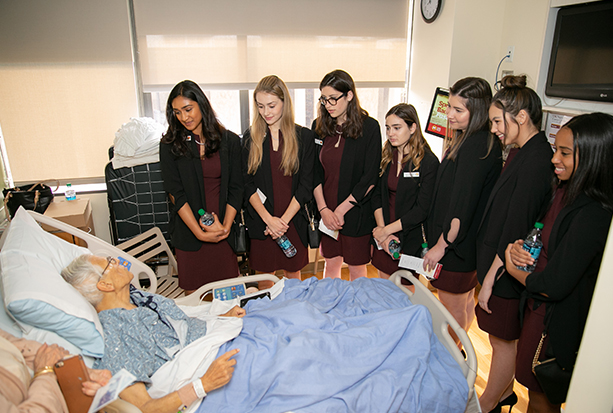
(253, 297)
(71, 372)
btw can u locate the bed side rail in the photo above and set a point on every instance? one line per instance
(196, 297)
(102, 248)
(441, 320)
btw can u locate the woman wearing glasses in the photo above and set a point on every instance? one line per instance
(346, 170)
(201, 171)
(278, 158)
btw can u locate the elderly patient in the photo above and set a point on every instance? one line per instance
(141, 332)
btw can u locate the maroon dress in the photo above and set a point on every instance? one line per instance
(354, 250)
(266, 255)
(213, 261)
(381, 260)
(534, 318)
(503, 322)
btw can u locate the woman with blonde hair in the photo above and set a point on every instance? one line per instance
(349, 153)
(278, 158)
(406, 183)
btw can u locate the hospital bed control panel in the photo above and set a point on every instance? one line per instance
(230, 292)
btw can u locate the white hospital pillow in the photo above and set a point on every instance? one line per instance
(36, 294)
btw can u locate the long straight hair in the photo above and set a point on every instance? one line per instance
(289, 157)
(593, 151)
(478, 96)
(176, 135)
(416, 144)
(326, 124)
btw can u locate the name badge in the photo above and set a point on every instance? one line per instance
(261, 195)
(319, 142)
(411, 174)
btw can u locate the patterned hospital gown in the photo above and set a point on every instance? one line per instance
(143, 339)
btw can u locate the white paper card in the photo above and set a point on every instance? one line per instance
(411, 174)
(263, 197)
(327, 231)
(417, 264)
(377, 244)
(109, 393)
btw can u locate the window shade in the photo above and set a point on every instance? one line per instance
(239, 42)
(67, 85)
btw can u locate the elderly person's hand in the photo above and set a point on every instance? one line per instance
(220, 371)
(47, 356)
(235, 311)
(97, 379)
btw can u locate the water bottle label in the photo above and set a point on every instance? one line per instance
(534, 251)
(285, 244)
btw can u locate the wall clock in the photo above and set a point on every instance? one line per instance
(430, 9)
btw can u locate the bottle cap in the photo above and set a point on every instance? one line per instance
(424, 245)
(396, 255)
(68, 185)
(538, 225)
(201, 212)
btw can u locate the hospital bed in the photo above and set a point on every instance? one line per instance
(441, 319)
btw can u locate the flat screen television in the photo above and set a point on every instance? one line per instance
(581, 64)
(437, 119)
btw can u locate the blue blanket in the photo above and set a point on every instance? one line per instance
(338, 346)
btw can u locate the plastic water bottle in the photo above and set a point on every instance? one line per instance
(286, 245)
(533, 245)
(395, 249)
(424, 249)
(206, 218)
(70, 193)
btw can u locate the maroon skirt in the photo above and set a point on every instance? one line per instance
(382, 261)
(266, 255)
(456, 282)
(504, 320)
(212, 262)
(534, 324)
(354, 250)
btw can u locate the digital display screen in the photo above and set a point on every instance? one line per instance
(437, 119)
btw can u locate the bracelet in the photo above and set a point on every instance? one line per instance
(199, 389)
(323, 208)
(47, 369)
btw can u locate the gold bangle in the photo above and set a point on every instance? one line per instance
(47, 369)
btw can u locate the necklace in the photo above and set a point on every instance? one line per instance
(339, 131)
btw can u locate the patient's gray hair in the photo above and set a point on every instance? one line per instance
(83, 276)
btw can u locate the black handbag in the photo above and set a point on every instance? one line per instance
(240, 239)
(553, 379)
(313, 233)
(35, 197)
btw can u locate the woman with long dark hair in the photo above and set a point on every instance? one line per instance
(278, 158)
(404, 191)
(349, 153)
(575, 229)
(520, 194)
(200, 162)
(470, 166)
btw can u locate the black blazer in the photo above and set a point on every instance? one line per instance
(302, 183)
(182, 176)
(461, 191)
(413, 198)
(516, 202)
(358, 171)
(575, 250)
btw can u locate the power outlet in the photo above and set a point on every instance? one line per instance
(510, 53)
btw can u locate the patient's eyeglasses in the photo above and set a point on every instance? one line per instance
(331, 100)
(110, 263)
